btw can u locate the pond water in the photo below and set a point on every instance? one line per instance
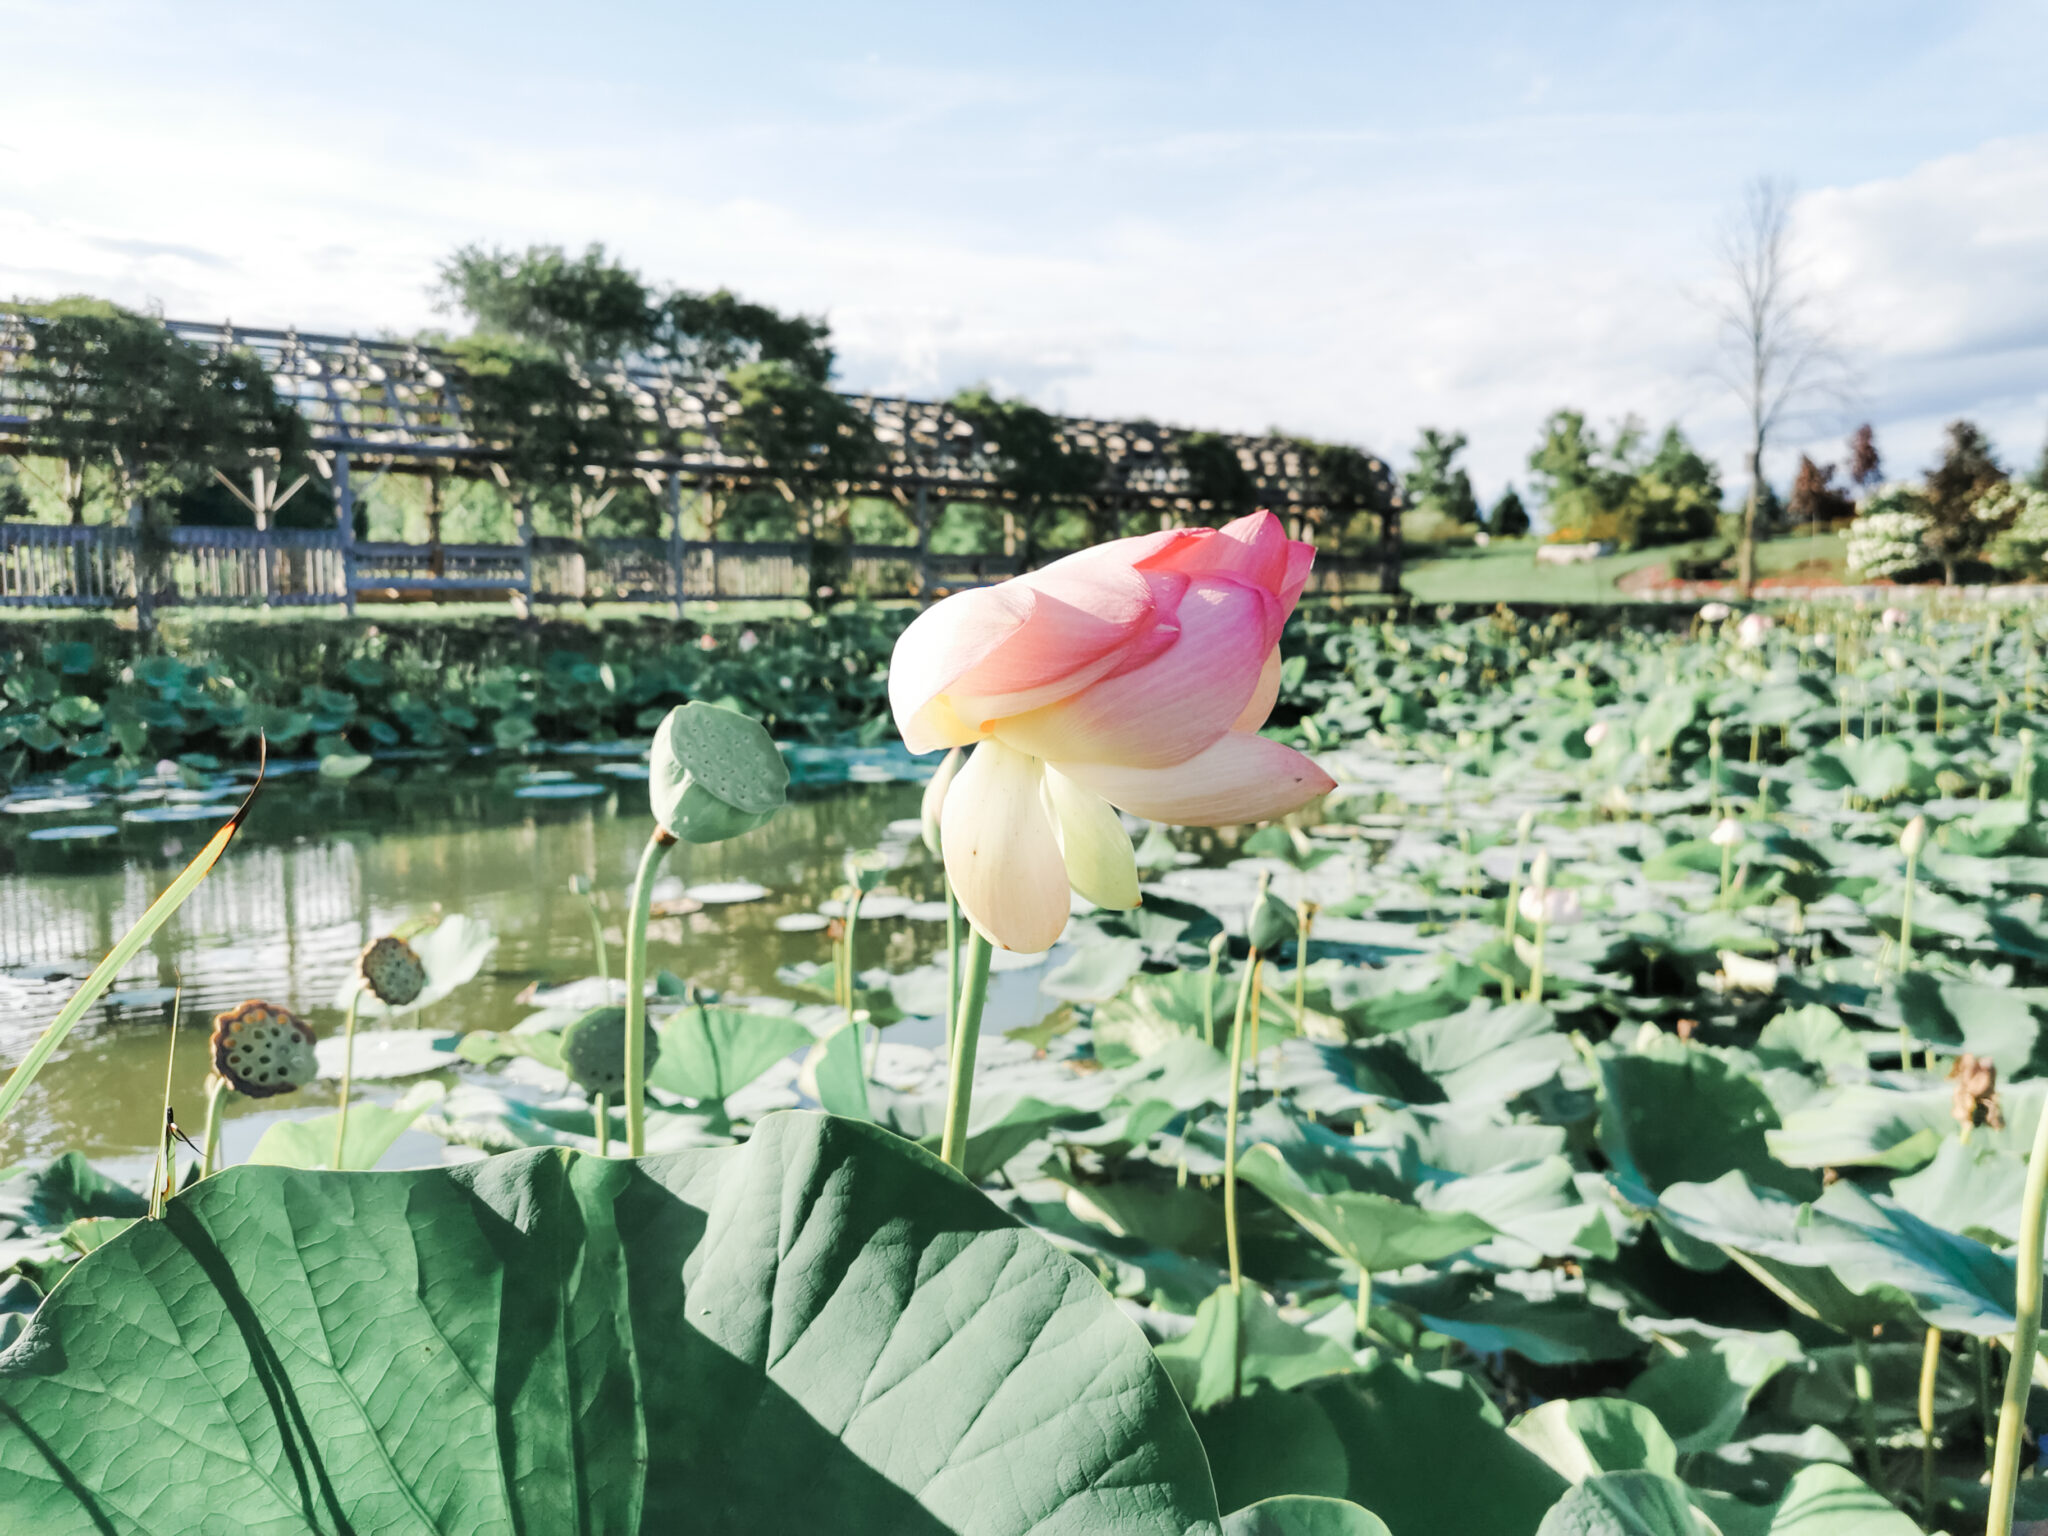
(323, 867)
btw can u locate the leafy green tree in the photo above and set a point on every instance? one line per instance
(14, 502)
(717, 332)
(1037, 468)
(117, 393)
(1217, 475)
(818, 443)
(1585, 485)
(1509, 519)
(585, 307)
(1677, 494)
(1437, 483)
(1957, 493)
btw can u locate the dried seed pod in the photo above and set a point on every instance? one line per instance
(1975, 1100)
(392, 971)
(261, 1049)
(594, 1051)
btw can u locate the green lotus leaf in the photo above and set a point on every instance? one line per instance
(1303, 1515)
(821, 1329)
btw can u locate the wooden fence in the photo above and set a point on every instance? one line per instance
(44, 566)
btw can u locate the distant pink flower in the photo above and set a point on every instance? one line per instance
(1598, 732)
(707, 642)
(1133, 675)
(1891, 618)
(1715, 613)
(1552, 907)
(1751, 631)
(748, 640)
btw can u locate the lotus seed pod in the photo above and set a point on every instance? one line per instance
(262, 1049)
(1914, 838)
(594, 1051)
(392, 971)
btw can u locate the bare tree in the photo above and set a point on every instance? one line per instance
(1774, 355)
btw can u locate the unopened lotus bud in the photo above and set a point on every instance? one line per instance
(935, 796)
(1914, 838)
(392, 971)
(594, 1051)
(1727, 833)
(1539, 872)
(261, 1049)
(1273, 921)
(1524, 825)
(1598, 732)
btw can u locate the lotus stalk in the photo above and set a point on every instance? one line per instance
(635, 1092)
(1523, 828)
(1727, 836)
(579, 885)
(2026, 1337)
(966, 1042)
(209, 1141)
(601, 1123)
(348, 1065)
(1247, 994)
(1930, 1368)
(1217, 946)
(1866, 1410)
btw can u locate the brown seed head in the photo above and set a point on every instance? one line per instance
(392, 971)
(262, 1049)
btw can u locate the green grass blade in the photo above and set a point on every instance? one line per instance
(104, 973)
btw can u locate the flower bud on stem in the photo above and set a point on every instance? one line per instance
(348, 1066)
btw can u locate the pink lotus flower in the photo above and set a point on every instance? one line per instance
(1132, 675)
(1751, 631)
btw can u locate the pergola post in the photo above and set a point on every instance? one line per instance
(345, 528)
(675, 538)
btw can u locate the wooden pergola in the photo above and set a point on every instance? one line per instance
(385, 406)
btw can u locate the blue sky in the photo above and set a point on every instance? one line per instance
(1342, 220)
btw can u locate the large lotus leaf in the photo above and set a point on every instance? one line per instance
(1701, 1394)
(709, 1054)
(1485, 1053)
(1865, 1125)
(1972, 1187)
(381, 1054)
(1540, 1315)
(1688, 1117)
(1876, 1246)
(1669, 712)
(1591, 1435)
(1626, 1504)
(1240, 1341)
(1814, 1036)
(1821, 1500)
(821, 1329)
(1303, 1515)
(50, 1197)
(1429, 1455)
(2002, 1024)
(373, 1129)
(1374, 1232)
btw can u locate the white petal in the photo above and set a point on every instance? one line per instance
(1241, 778)
(1093, 840)
(1003, 851)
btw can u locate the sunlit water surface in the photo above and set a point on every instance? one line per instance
(322, 868)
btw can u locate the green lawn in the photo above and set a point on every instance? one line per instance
(1508, 572)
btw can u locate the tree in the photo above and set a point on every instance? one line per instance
(1437, 483)
(1773, 356)
(1865, 468)
(1815, 500)
(1584, 484)
(1677, 494)
(817, 442)
(717, 332)
(1509, 518)
(115, 391)
(580, 307)
(1217, 475)
(1957, 489)
(1036, 467)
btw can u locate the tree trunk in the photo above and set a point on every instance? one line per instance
(1745, 568)
(1948, 570)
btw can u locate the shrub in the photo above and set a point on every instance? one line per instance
(1889, 536)
(2023, 547)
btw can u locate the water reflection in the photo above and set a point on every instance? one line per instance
(322, 868)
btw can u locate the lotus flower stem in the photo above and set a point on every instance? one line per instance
(1906, 913)
(1866, 1408)
(1981, 1348)
(636, 992)
(209, 1141)
(1364, 1303)
(2026, 1335)
(1522, 831)
(966, 1039)
(1307, 915)
(348, 1067)
(1727, 869)
(846, 978)
(601, 1117)
(1536, 966)
(1246, 991)
(1930, 1366)
(952, 969)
